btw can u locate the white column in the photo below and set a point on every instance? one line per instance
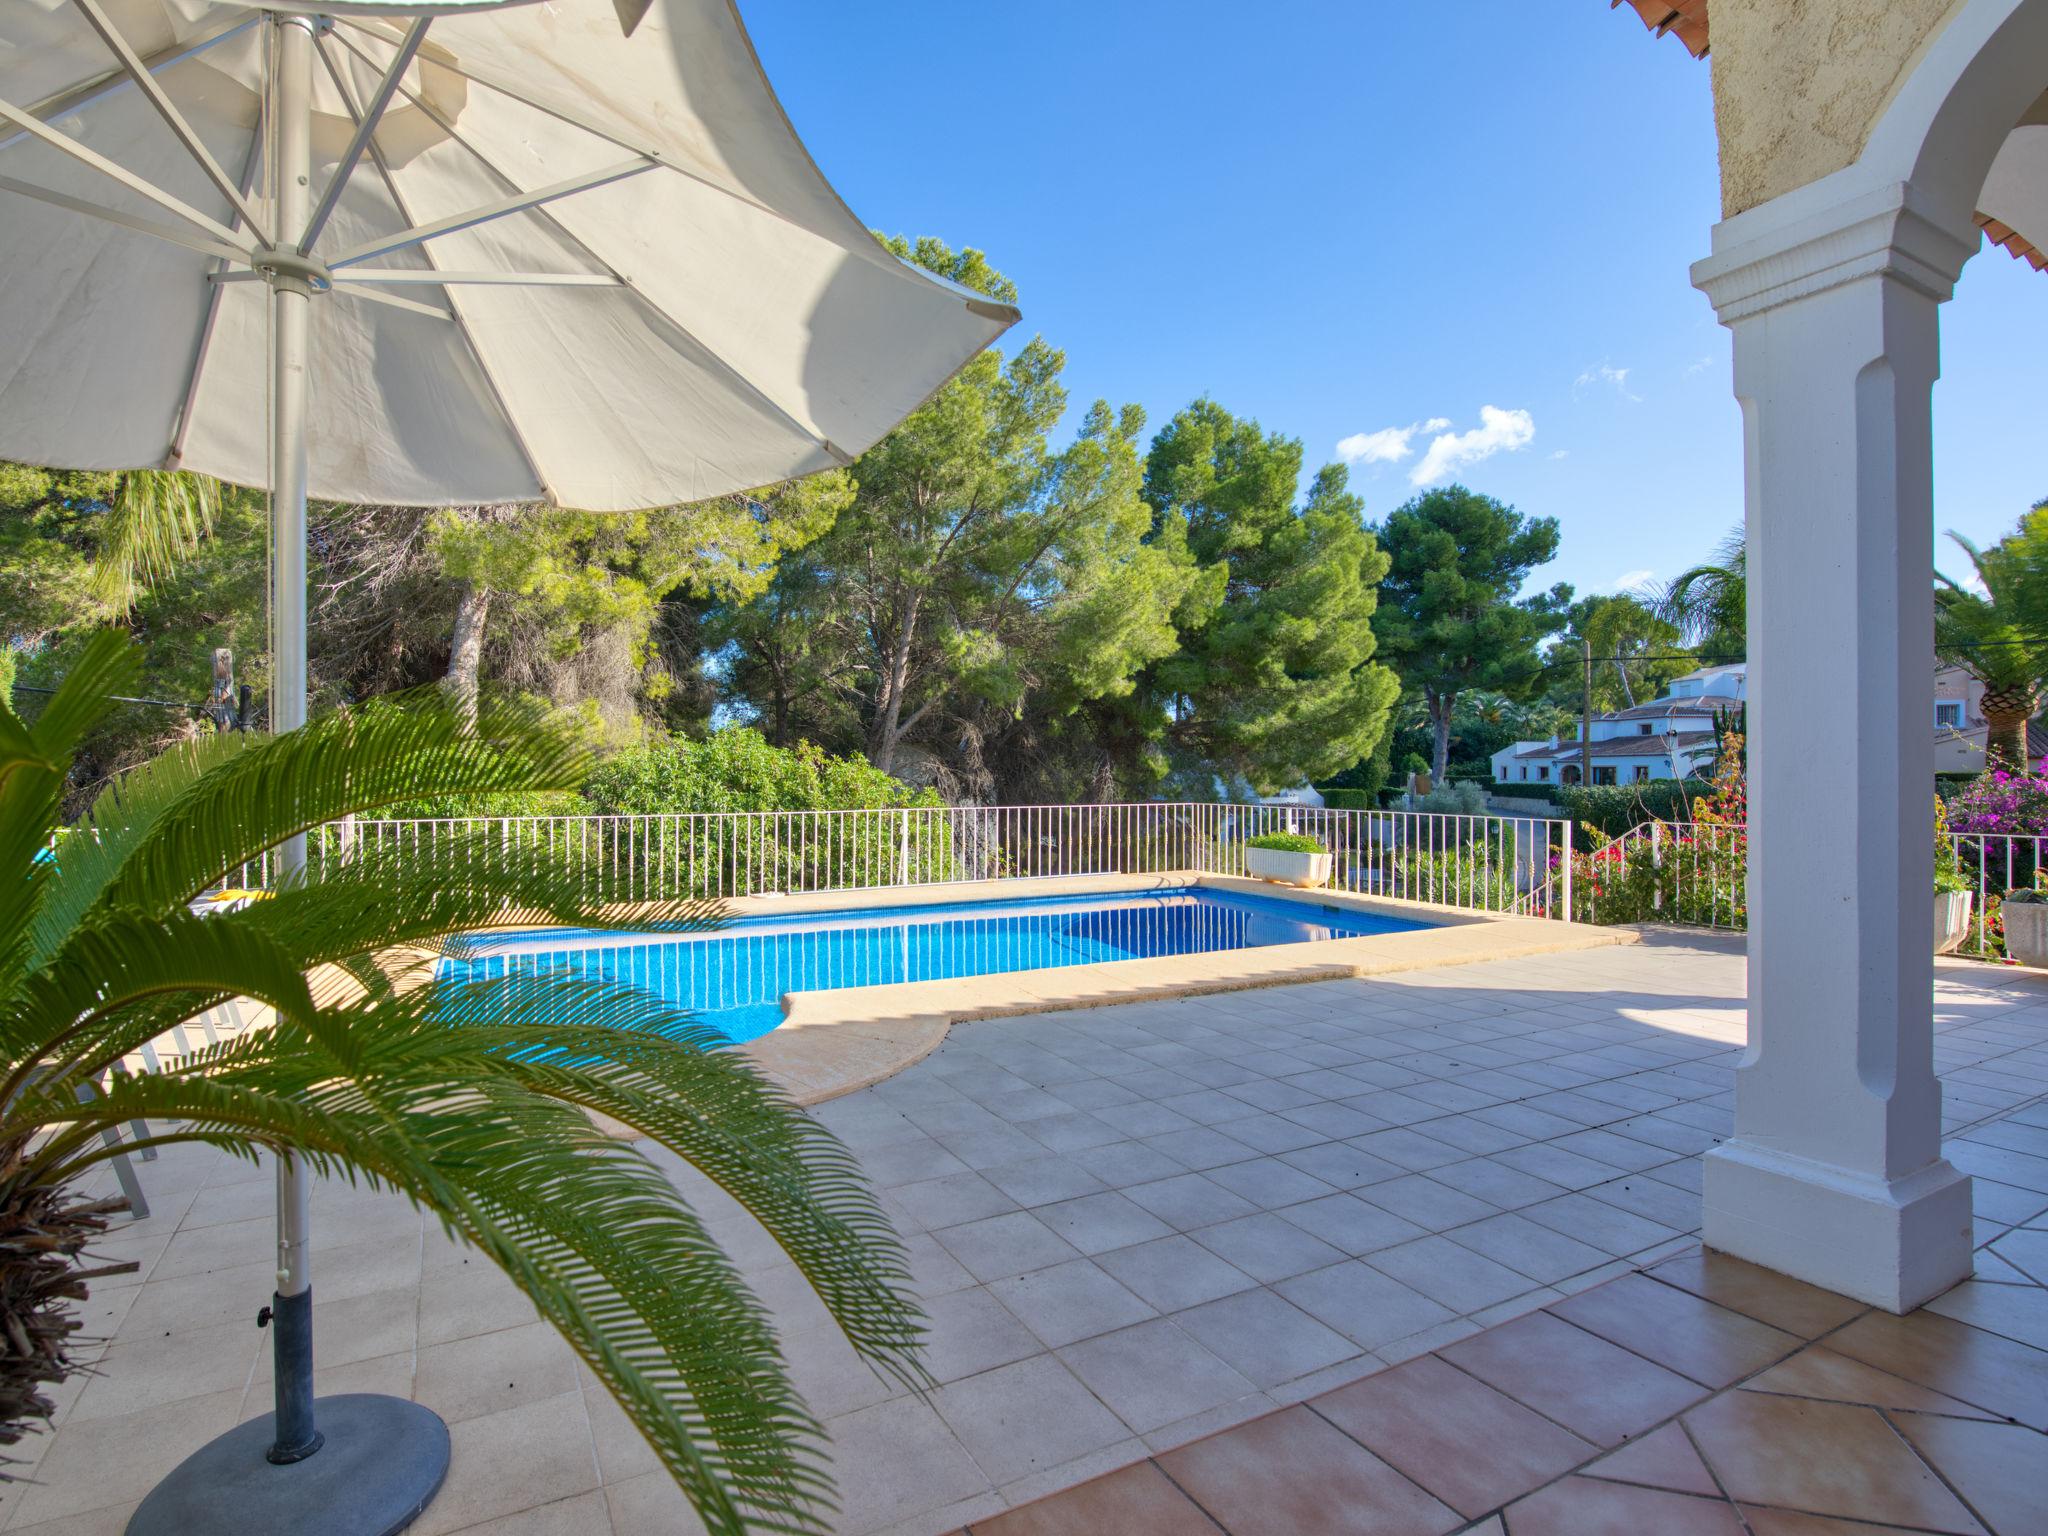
(1835, 1174)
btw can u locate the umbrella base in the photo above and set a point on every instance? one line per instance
(382, 1461)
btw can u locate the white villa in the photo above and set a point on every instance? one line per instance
(1672, 737)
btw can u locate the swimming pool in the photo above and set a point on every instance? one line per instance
(734, 978)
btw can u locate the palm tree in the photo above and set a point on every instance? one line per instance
(1999, 635)
(154, 519)
(1709, 604)
(474, 1100)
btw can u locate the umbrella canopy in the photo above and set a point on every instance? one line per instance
(566, 265)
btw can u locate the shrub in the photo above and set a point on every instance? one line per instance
(1613, 808)
(2002, 802)
(738, 769)
(1287, 842)
(1351, 799)
(1454, 800)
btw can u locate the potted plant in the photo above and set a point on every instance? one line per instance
(2026, 925)
(1952, 894)
(1288, 858)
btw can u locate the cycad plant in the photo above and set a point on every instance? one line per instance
(1999, 634)
(475, 1101)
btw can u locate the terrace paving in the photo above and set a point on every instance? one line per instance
(1182, 1243)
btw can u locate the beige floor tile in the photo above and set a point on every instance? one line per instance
(139, 1373)
(491, 1372)
(505, 1463)
(896, 1460)
(651, 1505)
(116, 1460)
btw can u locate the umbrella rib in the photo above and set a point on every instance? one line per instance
(876, 256)
(203, 348)
(167, 232)
(739, 378)
(367, 119)
(485, 213)
(158, 98)
(87, 93)
(65, 144)
(462, 329)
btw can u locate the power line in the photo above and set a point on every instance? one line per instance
(118, 698)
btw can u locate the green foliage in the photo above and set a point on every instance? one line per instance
(1949, 877)
(474, 1100)
(1338, 799)
(1450, 617)
(1286, 842)
(980, 594)
(1613, 808)
(1709, 603)
(1480, 873)
(1635, 653)
(738, 769)
(1275, 680)
(1999, 635)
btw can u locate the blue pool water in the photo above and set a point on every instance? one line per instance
(734, 978)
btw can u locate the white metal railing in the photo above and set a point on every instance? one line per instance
(1695, 873)
(1511, 864)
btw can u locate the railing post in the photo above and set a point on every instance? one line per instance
(1657, 866)
(903, 847)
(1567, 869)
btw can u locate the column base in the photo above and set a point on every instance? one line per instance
(1893, 1244)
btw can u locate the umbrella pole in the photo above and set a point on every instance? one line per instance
(290, 298)
(372, 1463)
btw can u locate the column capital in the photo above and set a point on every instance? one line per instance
(1810, 241)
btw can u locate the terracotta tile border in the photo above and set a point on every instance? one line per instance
(1657, 1473)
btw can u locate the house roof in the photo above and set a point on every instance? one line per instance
(1615, 746)
(1686, 20)
(1699, 704)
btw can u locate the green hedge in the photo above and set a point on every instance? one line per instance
(1352, 799)
(1614, 808)
(1515, 789)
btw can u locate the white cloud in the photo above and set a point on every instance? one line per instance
(1629, 580)
(1389, 445)
(1606, 373)
(1562, 453)
(1498, 431)
(1698, 365)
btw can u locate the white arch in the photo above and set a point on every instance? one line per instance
(1951, 117)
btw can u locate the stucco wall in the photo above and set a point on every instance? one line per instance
(1798, 84)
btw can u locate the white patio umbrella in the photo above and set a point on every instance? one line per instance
(424, 252)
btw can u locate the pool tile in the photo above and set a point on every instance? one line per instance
(1448, 1274)
(1598, 1390)
(1264, 1338)
(1071, 1301)
(1822, 1458)
(1137, 1501)
(1042, 1180)
(1188, 1200)
(1461, 1440)
(1369, 1308)
(1581, 1506)
(1354, 1225)
(998, 1247)
(1154, 1374)
(1675, 1328)
(1266, 1247)
(1174, 1272)
(1292, 1474)
(1098, 1223)
(1269, 1183)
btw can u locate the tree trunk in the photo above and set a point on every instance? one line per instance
(465, 653)
(2006, 713)
(1440, 721)
(888, 729)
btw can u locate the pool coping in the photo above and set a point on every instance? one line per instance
(837, 1041)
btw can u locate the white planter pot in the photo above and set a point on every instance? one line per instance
(2026, 931)
(1307, 870)
(1951, 919)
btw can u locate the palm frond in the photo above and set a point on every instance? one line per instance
(157, 519)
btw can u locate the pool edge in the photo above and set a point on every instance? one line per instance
(836, 1042)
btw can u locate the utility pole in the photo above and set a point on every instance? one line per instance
(1586, 719)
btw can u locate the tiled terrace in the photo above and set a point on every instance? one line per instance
(1135, 1227)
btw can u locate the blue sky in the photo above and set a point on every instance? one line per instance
(1350, 218)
